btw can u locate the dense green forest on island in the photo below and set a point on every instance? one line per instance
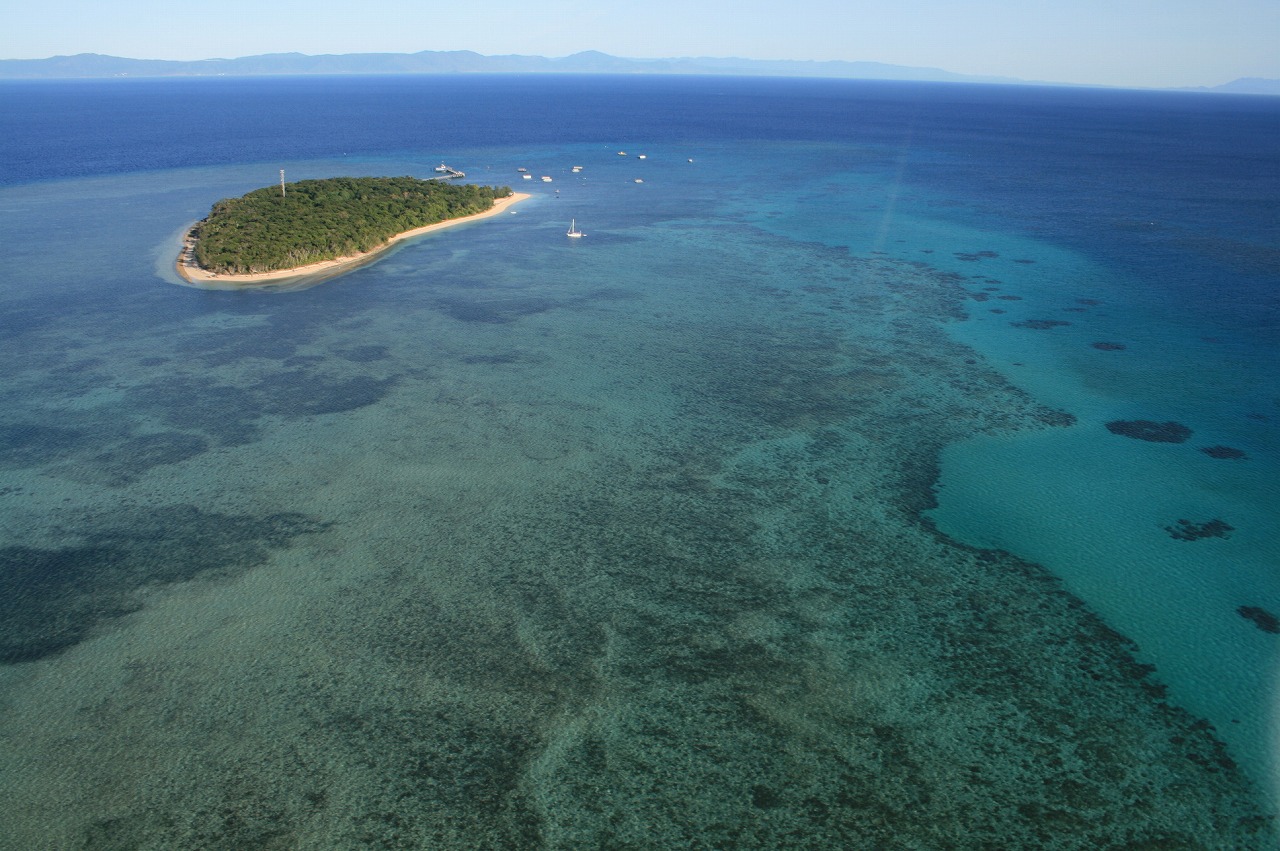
(316, 220)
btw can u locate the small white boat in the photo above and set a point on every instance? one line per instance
(443, 169)
(522, 169)
(546, 178)
(643, 157)
(527, 176)
(573, 231)
(622, 153)
(639, 180)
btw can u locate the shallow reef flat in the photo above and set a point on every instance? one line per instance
(588, 566)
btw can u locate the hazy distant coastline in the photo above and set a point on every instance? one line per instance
(94, 65)
(463, 62)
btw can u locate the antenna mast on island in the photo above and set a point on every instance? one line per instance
(281, 183)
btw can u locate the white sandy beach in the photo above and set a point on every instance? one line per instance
(192, 273)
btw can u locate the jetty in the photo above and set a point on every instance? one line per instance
(447, 173)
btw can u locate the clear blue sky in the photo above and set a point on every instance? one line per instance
(1107, 42)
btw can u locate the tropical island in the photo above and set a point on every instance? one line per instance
(321, 227)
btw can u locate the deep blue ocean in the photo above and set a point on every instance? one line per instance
(891, 465)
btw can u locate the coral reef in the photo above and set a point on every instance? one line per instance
(1264, 620)
(1187, 530)
(1040, 324)
(1150, 430)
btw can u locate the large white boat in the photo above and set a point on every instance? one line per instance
(573, 230)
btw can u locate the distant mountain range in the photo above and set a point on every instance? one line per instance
(1245, 86)
(85, 65)
(461, 62)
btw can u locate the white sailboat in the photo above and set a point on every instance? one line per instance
(573, 231)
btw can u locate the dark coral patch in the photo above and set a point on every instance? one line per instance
(1223, 452)
(493, 360)
(496, 312)
(1023, 260)
(1109, 347)
(132, 458)
(1186, 530)
(1010, 297)
(297, 393)
(998, 310)
(222, 347)
(46, 606)
(227, 414)
(1063, 419)
(973, 257)
(1169, 432)
(54, 598)
(1263, 619)
(1040, 324)
(1088, 301)
(30, 444)
(364, 354)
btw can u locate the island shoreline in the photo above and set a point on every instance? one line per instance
(193, 274)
